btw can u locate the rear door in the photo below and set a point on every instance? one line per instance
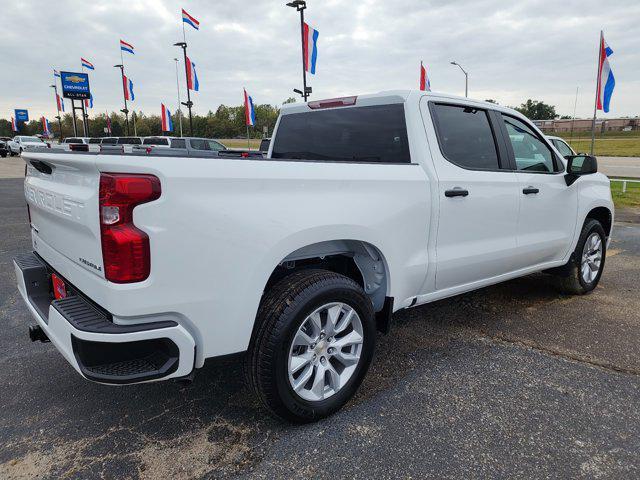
(548, 207)
(478, 196)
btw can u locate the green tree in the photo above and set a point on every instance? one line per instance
(537, 110)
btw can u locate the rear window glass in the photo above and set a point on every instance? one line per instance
(155, 141)
(95, 140)
(178, 143)
(465, 137)
(109, 141)
(73, 140)
(367, 134)
(129, 141)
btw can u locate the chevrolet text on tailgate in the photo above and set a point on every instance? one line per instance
(145, 266)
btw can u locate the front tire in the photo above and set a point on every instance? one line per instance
(582, 274)
(314, 343)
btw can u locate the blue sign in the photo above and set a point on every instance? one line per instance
(75, 85)
(21, 115)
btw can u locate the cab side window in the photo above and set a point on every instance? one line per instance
(465, 136)
(530, 152)
(198, 144)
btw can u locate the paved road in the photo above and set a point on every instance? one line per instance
(620, 166)
(513, 381)
(11, 167)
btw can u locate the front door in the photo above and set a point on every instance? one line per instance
(548, 207)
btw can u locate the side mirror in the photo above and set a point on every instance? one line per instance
(578, 165)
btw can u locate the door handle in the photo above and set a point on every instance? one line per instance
(530, 190)
(456, 192)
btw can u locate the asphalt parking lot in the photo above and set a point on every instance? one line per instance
(512, 381)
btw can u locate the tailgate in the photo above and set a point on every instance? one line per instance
(62, 192)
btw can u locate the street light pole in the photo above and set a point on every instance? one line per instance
(55, 89)
(125, 110)
(466, 78)
(300, 6)
(188, 103)
(178, 86)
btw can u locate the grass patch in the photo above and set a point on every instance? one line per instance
(608, 144)
(631, 198)
(609, 147)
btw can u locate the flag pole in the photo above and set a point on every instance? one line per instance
(188, 103)
(85, 114)
(595, 106)
(55, 90)
(573, 119)
(246, 112)
(178, 87)
(304, 67)
(124, 92)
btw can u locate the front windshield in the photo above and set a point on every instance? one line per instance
(30, 139)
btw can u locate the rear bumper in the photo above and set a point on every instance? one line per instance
(97, 348)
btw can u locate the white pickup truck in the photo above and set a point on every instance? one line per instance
(143, 267)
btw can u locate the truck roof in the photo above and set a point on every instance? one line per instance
(384, 98)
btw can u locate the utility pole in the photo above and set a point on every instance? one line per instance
(300, 6)
(58, 117)
(466, 78)
(178, 87)
(188, 103)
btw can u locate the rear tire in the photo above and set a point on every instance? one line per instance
(301, 320)
(583, 271)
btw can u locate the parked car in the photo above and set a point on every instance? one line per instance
(562, 146)
(21, 142)
(180, 145)
(157, 141)
(4, 149)
(129, 141)
(367, 205)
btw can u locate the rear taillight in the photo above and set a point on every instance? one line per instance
(125, 248)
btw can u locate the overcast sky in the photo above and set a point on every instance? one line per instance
(512, 50)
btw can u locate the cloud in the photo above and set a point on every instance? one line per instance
(513, 51)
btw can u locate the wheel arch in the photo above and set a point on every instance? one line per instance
(602, 215)
(357, 259)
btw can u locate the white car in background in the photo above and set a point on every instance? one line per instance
(22, 142)
(561, 145)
